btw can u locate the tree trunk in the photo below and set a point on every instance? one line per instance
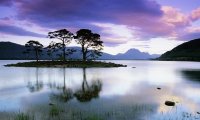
(64, 86)
(84, 56)
(83, 53)
(64, 59)
(36, 54)
(52, 59)
(84, 84)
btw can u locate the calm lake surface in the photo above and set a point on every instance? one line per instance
(106, 93)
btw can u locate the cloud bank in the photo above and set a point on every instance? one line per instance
(118, 21)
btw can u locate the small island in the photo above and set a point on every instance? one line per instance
(59, 54)
(67, 64)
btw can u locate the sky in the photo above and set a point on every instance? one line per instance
(153, 26)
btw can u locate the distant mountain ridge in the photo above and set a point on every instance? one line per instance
(13, 51)
(132, 54)
(188, 51)
(10, 50)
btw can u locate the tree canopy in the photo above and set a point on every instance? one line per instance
(91, 45)
(34, 46)
(65, 36)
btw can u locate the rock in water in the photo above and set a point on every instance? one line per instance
(51, 104)
(158, 88)
(169, 103)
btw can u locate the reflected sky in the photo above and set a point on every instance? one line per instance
(22, 88)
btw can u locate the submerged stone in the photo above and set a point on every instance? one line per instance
(158, 88)
(51, 104)
(169, 103)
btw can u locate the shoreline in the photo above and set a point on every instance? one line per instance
(67, 64)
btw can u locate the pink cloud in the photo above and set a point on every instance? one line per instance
(147, 25)
(174, 17)
(166, 25)
(195, 15)
(193, 29)
(148, 17)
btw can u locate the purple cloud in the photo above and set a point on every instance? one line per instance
(76, 14)
(189, 36)
(70, 12)
(147, 17)
(5, 2)
(13, 30)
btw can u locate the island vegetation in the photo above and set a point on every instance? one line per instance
(69, 64)
(90, 43)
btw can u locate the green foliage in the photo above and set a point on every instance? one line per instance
(23, 116)
(88, 92)
(54, 111)
(93, 118)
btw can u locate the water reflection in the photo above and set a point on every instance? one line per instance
(87, 92)
(64, 93)
(192, 74)
(37, 85)
(123, 93)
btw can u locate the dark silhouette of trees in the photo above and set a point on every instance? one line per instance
(91, 45)
(34, 46)
(69, 52)
(51, 48)
(55, 47)
(65, 36)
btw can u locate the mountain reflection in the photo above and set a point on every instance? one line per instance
(193, 75)
(37, 85)
(85, 93)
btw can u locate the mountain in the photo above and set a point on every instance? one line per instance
(188, 51)
(130, 55)
(9, 50)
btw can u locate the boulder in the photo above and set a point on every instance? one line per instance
(169, 103)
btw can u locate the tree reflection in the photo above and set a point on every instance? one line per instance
(84, 94)
(37, 85)
(64, 94)
(87, 92)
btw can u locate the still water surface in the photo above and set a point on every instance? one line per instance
(111, 93)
